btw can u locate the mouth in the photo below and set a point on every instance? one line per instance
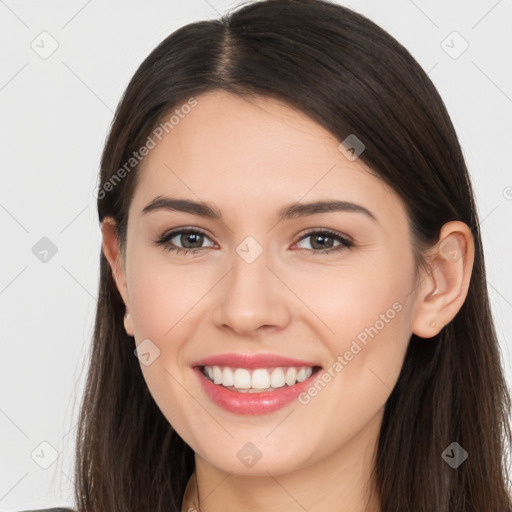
(257, 380)
(257, 383)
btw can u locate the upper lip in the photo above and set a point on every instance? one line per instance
(252, 361)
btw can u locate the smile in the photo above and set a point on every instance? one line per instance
(274, 391)
(246, 380)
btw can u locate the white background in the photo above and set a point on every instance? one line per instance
(55, 113)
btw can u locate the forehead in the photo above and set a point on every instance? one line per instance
(242, 150)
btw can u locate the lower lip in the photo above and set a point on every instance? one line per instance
(253, 403)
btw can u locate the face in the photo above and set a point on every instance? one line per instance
(332, 288)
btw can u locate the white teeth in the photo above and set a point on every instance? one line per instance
(291, 376)
(301, 375)
(258, 379)
(228, 379)
(217, 375)
(242, 378)
(277, 378)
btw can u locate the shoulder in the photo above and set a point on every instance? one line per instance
(58, 509)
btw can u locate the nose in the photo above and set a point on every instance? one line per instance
(252, 299)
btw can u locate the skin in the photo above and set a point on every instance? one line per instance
(250, 158)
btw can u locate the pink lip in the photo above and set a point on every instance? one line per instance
(253, 403)
(252, 361)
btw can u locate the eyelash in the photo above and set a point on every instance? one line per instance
(163, 242)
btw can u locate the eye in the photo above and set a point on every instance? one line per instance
(323, 240)
(191, 239)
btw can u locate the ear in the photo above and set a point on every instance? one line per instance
(444, 287)
(115, 259)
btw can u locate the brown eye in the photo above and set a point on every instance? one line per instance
(324, 242)
(190, 240)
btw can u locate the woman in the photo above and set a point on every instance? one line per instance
(293, 312)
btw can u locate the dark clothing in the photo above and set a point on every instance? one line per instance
(50, 510)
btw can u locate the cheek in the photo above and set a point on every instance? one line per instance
(160, 293)
(350, 298)
(160, 309)
(365, 314)
(371, 325)
(154, 307)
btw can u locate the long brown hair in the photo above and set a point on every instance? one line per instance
(351, 77)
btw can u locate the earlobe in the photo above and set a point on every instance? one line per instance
(443, 289)
(128, 326)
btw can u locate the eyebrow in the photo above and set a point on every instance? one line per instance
(292, 211)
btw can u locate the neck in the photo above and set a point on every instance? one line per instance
(339, 482)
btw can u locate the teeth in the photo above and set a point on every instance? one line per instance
(242, 378)
(277, 378)
(258, 379)
(217, 375)
(228, 379)
(302, 375)
(291, 376)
